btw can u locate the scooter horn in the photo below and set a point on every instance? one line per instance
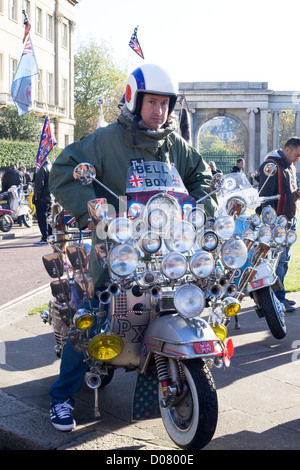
(156, 292)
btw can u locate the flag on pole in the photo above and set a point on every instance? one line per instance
(47, 143)
(184, 119)
(134, 43)
(21, 85)
(27, 25)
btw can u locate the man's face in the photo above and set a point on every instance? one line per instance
(240, 164)
(292, 154)
(154, 110)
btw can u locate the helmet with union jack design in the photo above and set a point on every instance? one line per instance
(149, 78)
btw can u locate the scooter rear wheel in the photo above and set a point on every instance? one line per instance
(6, 223)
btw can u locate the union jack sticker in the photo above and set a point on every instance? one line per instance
(135, 181)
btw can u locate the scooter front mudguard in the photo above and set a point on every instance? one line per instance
(176, 337)
(265, 276)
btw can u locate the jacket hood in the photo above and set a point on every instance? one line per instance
(279, 157)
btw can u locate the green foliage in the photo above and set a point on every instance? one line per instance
(14, 127)
(22, 153)
(96, 75)
(210, 143)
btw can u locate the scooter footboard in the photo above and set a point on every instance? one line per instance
(174, 336)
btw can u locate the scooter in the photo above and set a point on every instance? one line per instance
(6, 221)
(14, 199)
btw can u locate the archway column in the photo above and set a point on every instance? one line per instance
(263, 134)
(251, 152)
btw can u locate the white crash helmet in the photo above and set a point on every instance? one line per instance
(149, 78)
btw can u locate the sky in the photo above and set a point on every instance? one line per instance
(200, 41)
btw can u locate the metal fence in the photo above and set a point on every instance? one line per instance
(223, 161)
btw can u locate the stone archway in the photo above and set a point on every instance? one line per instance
(248, 103)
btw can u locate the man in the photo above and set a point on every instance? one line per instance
(144, 131)
(285, 184)
(240, 164)
(213, 167)
(42, 201)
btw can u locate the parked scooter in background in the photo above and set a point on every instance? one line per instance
(6, 221)
(17, 204)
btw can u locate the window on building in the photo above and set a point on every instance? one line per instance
(65, 35)
(65, 93)
(13, 8)
(1, 6)
(50, 27)
(67, 140)
(26, 6)
(38, 20)
(13, 69)
(39, 86)
(50, 88)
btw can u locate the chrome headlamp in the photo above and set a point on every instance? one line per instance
(157, 219)
(279, 234)
(202, 264)
(282, 220)
(264, 234)
(180, 236)
(207, 241)
(234, 253)
(225, 227)
(120, 230)
(189, 300)
(255, 220)
(197, 217)
(123, 260)
(268, 215)
(291, 237)
(150, 242)
(83, 319)
(174, 265)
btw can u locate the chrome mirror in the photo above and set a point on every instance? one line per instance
(54, 264)
(77, 255)
(84, 173)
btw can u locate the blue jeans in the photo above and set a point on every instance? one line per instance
(72, 370)
(281, 271)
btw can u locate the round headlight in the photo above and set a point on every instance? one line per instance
(202, 264)
(279, 234)
(225, 227)
(268, 215)
(83, 320)
(231, 306)
(234, 253)
(254, 219)
(189, 301)
(157, 219)
(282, 220)
(207, 241)
(174, 265)
(120, 230)
(264, 234)
(248, 233)
(123, 260)
(291, 237)
(180, 236)
(150, 242)
(197, 217)
(105, 346)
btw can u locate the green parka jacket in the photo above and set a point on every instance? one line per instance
(111, 150)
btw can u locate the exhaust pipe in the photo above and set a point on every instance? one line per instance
(156, 292)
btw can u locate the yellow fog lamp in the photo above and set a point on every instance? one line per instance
(83, 320)
(220, 331)
(231, 306)
(105, 346)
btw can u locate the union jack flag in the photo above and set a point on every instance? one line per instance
(47, 143)
(205, 347)
(21, 85)
(175, 180)
(136, 181)
(134, 43)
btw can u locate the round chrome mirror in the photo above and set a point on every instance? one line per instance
(270, 169)
(84, 173)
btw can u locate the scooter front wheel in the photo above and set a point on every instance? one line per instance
(27, 219)
(191, 422)
(6, 223)
(272, 310)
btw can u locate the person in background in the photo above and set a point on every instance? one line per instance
(42, 201)
(144, 132)
(214, 168)
(27, 177)
(13, 177)
(284, 183)
(240, 164)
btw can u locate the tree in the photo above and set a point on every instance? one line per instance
(96, 75)
(14, 127)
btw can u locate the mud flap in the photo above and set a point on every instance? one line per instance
(145, 400)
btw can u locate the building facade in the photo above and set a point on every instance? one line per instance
(52, 31)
